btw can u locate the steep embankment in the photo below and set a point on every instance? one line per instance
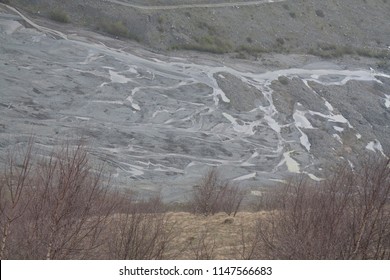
(326, 28)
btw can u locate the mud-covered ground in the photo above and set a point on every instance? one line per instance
(160, 122)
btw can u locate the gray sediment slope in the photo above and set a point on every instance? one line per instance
(159, 121)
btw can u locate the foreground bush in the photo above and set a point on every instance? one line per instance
(61, 207)
(53, 208)
(345, 217)
(140, 230)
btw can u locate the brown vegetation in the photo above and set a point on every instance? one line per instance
(53, 208)
(139, 230)
(61, 207)
(344, 217)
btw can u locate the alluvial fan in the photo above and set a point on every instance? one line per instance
(161, 122)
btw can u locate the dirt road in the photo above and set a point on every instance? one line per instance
(188, 6)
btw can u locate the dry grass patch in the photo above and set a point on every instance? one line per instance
(213, 237)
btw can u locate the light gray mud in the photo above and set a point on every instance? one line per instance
(160, 122)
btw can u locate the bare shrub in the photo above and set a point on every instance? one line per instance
(345, 217)
(203, 246)
(213, 195)
(141, 230)
(248, 243)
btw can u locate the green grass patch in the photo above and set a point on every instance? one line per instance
(334, 51)
(368, 52)
(207, 43)
(251, 50)
(117, 29)
(331, 51)
(59, 16)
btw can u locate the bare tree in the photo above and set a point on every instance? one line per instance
(371, 211)
(63, 206)
(231, 199)
(13, 201)
(213, 195)
(70, 205)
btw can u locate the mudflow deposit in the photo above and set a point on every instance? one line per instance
(161, 119)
